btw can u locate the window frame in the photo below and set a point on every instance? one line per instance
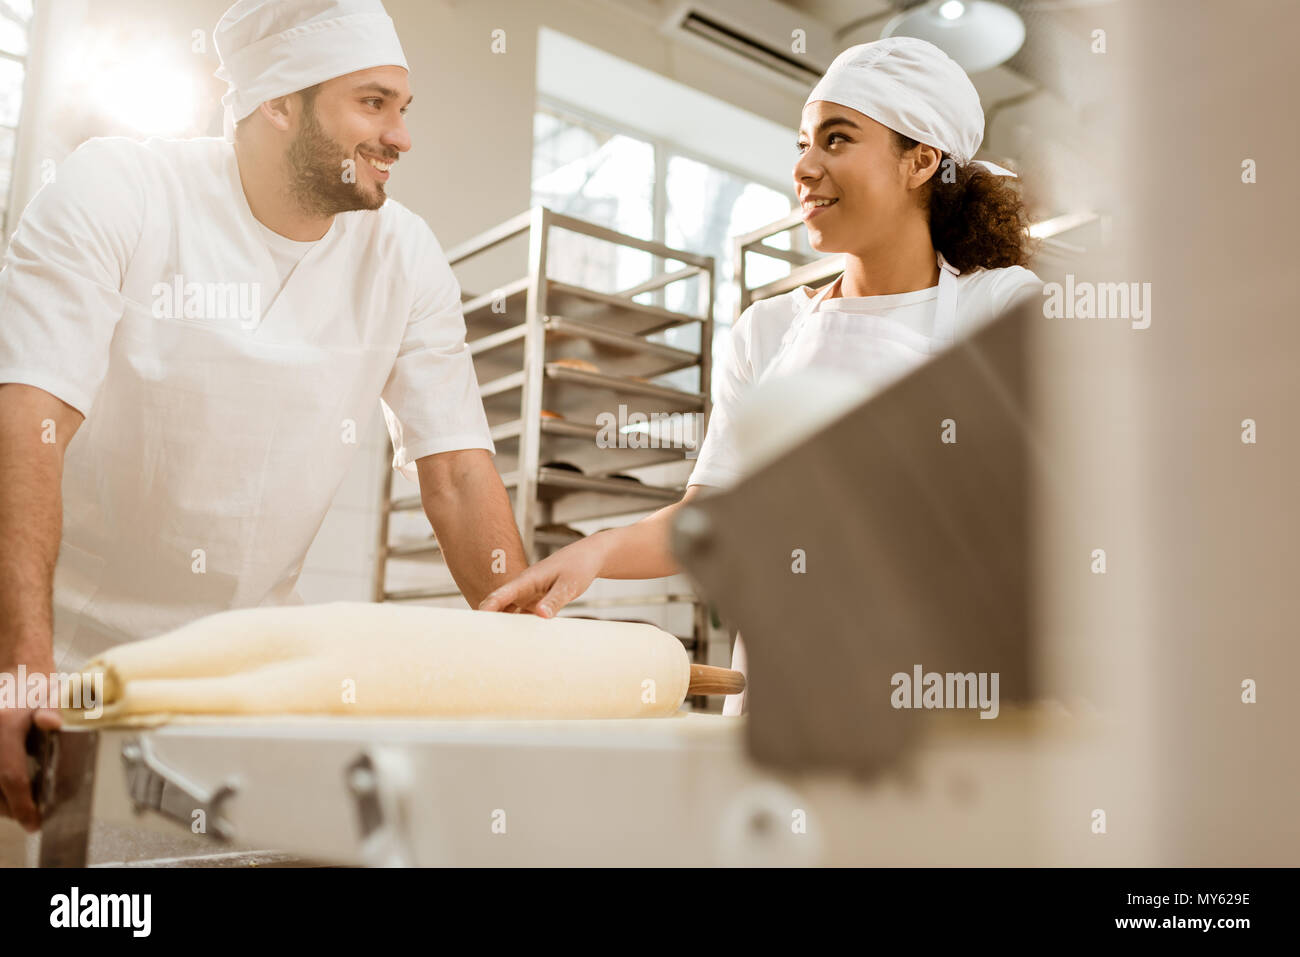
(24, 60)
(663, 148)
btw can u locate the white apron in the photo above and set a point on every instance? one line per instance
(873, 348)
(214, 450)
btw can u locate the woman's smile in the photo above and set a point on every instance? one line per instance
(816, 205)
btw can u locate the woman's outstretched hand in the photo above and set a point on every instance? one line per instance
(543, 589)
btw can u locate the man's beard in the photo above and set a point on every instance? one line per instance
(317, 168)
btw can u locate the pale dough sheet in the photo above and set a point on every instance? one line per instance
(359, 658)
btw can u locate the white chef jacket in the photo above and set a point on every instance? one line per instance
(756, 337)
(216, 435)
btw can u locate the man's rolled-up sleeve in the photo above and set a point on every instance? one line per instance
(60, 288)
(431, 401)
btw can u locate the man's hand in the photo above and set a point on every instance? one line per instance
(15, 781)
(470, 513)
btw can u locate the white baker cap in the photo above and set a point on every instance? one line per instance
(914, 88)
(271, 48)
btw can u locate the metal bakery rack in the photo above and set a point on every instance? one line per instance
(1060, 240)
(551, 358)
(806, 267)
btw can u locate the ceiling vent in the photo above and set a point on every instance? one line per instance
(761, 35)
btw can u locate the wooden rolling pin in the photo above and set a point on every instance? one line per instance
(706, 679)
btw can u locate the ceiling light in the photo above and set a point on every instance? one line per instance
(978, 34)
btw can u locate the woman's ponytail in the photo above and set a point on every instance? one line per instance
(977, 219)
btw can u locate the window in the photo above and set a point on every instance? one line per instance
(15, 22)
(652, 189)
(601, 176)
(707, 208)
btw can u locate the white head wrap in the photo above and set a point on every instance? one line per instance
(271, 48)
(914, 88)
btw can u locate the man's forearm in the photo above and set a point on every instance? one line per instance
(31, 520)
(477, 533)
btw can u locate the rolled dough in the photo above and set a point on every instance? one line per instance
(360, 658)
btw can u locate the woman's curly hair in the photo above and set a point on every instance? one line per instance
(978, 221)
